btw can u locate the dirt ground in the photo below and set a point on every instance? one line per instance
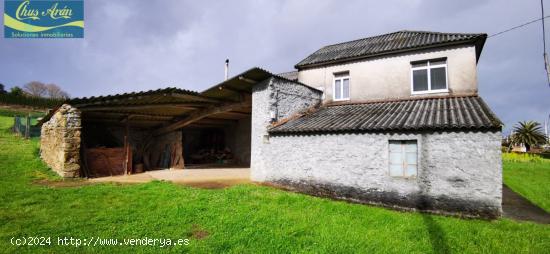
(210, 178)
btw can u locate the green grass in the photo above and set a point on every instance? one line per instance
(529, 175)
(240, 219)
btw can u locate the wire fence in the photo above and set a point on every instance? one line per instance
(23, 125)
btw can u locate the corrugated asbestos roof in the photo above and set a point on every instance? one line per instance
(244, 82)
(409, 115)
(133, 97)
(169, 102)
(291, 75)
(388, 43)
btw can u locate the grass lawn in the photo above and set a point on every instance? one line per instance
(245, 218)
(530, 178)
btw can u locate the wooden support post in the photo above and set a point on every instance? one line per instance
(127, 150)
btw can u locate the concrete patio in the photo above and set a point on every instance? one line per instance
(204, 177)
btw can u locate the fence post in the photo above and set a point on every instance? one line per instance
(28, 127)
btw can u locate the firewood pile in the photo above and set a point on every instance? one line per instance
(205, 156)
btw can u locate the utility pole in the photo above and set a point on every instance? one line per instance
(546, 68)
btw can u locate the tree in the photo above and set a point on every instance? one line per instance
(2, 89)
(528, 133)
(55, 92)
(35, 88)
(16, 91)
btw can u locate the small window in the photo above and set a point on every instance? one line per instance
(341, 86)
(429, 76)
(403, 158)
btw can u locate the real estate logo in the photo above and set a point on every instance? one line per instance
(43, 19)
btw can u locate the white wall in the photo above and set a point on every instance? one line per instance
(458, 172)
(390, 76)
(281, 99)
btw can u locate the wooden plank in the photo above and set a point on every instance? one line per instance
(200, 114)
(194, 105)
(195, 98)
(126, 147)
(125, 114)
(105, 161)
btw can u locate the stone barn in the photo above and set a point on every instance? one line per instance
(162, 129)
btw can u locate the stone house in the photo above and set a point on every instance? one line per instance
(393, 120)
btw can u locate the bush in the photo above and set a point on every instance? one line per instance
(523, 157)
(36, 102)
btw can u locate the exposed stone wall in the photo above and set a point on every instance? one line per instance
(60, 141)
(458, 172)
(272, 100)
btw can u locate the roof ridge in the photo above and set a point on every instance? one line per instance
(437, 32)
(398, 41)
(400, 31)
(354, 40)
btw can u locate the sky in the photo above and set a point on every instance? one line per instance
(133, 45)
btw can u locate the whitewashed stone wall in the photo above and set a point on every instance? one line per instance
(274, 99)
(60, 141)
(458, 172)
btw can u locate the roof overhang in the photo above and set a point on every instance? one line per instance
(171, 108)
(478, 42)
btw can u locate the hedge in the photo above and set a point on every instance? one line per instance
(37, 102)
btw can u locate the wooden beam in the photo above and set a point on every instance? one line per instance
(234, 90)
(196, 97)
(251, 81)
(140, 107)
(200, 114)
(125, 115)
(237, 113)
(112, 120)
(217, 121)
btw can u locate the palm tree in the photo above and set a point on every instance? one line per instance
(528, 133)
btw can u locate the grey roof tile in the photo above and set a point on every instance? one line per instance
(386, 44)
(442, 113)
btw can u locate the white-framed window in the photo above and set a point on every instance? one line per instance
(341, 87)
(429, 76)
(403, 156)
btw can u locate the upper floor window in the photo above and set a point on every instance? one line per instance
(429, 76)
(341, 86)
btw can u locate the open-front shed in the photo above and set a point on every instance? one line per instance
(157, 129)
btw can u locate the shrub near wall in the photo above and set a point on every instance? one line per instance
(523, 157)
(37, 102)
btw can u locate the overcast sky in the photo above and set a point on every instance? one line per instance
(132, 45)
